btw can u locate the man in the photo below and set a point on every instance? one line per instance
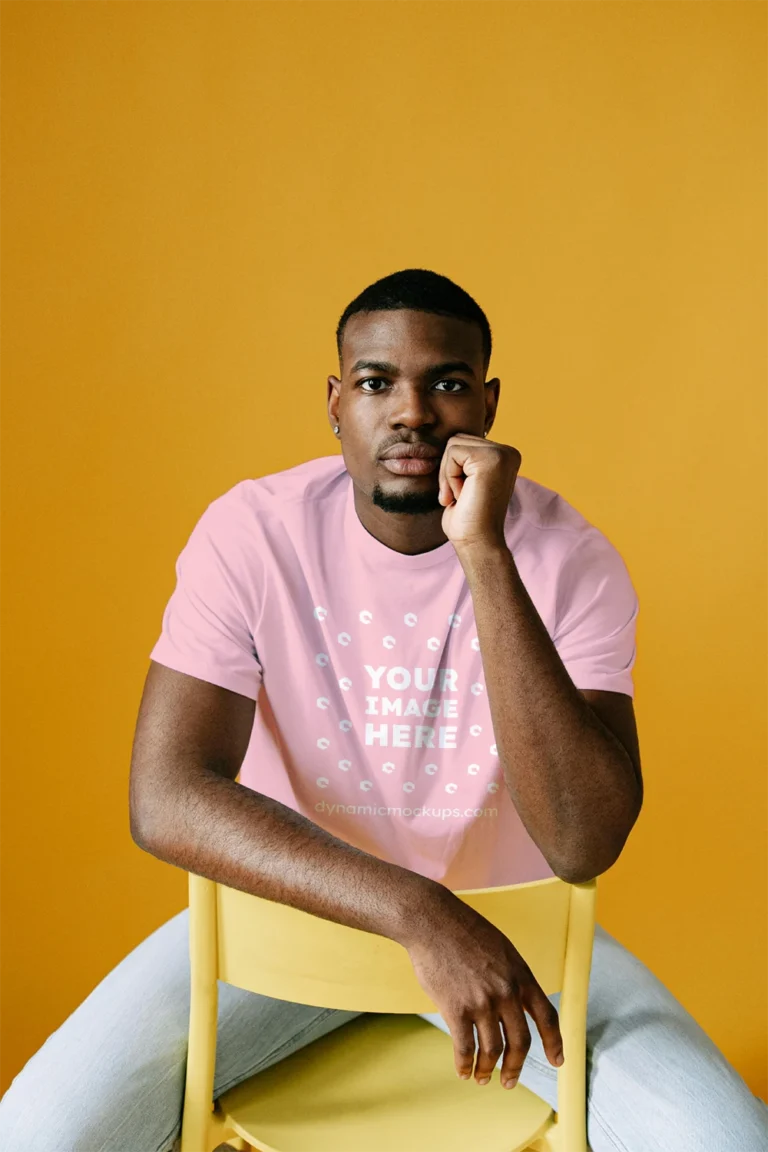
(418, 663)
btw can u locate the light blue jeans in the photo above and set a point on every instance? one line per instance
(111, 1078)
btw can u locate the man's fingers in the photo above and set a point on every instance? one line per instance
(507, 1031)
(518, 1041)
(463, 1036)
(547, 1021)
(491, 1045)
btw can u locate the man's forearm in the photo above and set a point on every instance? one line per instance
(215, 827)
(570, 779)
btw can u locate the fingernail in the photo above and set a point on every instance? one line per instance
(463, 1075)
(510, 1083)
(484, 1080)
(559, 1058)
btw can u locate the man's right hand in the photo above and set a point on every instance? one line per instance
(475, 975)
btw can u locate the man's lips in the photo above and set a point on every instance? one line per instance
(411, 451)
(411, 465)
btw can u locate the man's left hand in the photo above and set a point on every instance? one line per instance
(477, 478)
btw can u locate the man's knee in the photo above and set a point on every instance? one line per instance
(52, 1106)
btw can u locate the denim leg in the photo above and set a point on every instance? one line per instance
(655, 1080)
(111, 1077)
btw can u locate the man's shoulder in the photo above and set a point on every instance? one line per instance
(551, 530)
(560, 549)
(276, 491)
(540, 508)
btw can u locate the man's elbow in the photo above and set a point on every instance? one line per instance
(140, 834)
(578, 875)
(587, 864)
(580, 871)
(146, 818)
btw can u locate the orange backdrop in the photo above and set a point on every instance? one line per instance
(192, 193)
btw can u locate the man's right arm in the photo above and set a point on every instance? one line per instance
(187, 809)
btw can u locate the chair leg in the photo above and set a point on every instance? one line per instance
(222, 1137)
(551, 1141)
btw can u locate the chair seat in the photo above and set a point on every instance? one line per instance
(381, 1083)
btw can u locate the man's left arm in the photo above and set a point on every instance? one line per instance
(570, 756)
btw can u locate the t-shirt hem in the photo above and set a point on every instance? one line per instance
(218, 676)
(604, 684)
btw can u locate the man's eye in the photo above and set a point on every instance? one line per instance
(381, 380)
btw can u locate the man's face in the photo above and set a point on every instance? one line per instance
(416, 399)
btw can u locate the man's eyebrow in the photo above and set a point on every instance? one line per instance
(433, 370)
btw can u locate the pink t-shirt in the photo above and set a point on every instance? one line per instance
(372, 715)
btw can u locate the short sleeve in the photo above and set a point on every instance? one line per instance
(205, 630)
(595, 635)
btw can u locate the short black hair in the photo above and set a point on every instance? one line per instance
(423, 291)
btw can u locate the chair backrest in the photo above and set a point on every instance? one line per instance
(285, 953)
(282, 952)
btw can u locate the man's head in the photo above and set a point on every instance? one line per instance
(414, 350)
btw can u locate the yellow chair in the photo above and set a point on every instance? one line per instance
(386, 1083)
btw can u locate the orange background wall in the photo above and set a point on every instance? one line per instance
(192, 193)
